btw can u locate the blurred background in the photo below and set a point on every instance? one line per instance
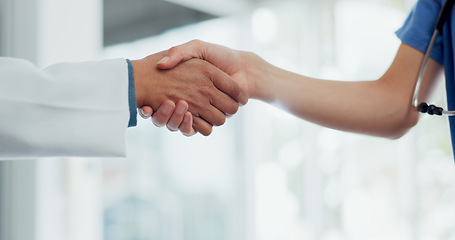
(265, 174)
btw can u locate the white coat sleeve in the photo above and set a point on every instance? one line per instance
(67, 109)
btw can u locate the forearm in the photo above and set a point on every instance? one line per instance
(365, 107)
(381, 107)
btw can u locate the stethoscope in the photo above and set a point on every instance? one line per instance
(423, 107)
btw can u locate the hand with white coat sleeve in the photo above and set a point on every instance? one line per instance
(82, 109)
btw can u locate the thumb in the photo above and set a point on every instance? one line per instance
(181, 53)
(168, 62)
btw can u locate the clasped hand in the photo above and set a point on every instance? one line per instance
(179, 88)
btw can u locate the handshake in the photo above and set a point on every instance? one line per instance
(192, 87)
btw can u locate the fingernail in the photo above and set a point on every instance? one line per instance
(143, 114)
(180, 110)
(186, 119)
(163, 60)
(167, 109)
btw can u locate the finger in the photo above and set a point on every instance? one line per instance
(225, 104)
(213, 116)
(187, 125)
(226, 84)
(202, 126)
(163, 114)
(178, 54)
(221, 100)
(177, 116)
(145, 112)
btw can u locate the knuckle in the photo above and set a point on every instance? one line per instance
(236, 91)
(200, 47)
(196, 42)
(173, 50)
(205, 92)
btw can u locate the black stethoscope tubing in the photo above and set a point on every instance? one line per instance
(423, 107)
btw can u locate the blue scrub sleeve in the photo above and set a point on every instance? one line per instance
(131, 96)
(417, 32)
(419, 27)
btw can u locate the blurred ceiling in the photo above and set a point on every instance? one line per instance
(128, 20)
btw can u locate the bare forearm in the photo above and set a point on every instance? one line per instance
(381, 107)
(365, 106)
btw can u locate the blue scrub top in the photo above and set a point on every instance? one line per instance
(417, 32)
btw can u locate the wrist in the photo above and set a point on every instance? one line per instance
(151, 90)
(131, 95)
(260, 78)
(139, 78)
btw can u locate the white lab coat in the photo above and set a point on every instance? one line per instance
(67, 109)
